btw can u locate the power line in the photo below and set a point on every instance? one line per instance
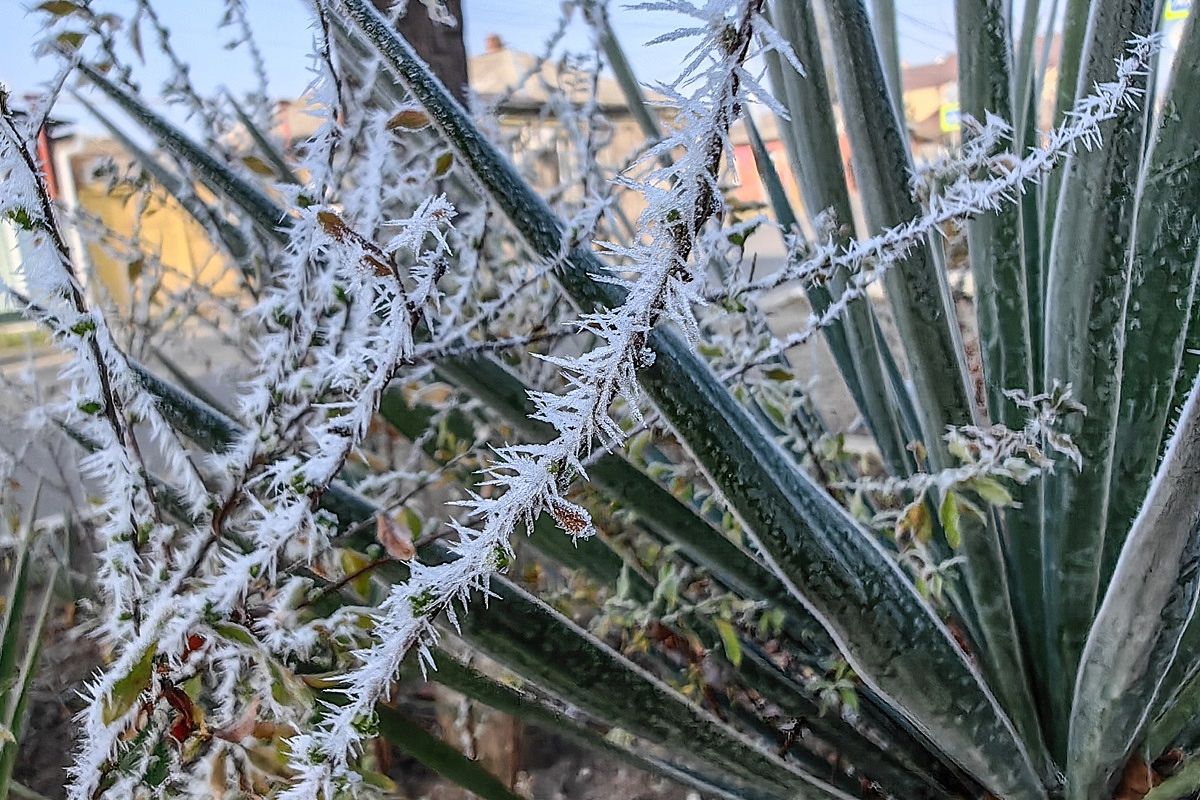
(922, 23)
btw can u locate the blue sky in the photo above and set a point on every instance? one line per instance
(282, 28)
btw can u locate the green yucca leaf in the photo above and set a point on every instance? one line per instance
(883, 21)
(1163, 276)
(592, 554)
(917, 288)
(1135, 637)
(843, 575)
(511, 700)
(1001, 311)
(215, 432)
(23, 682)
(879, 753)
(1178, 710)
(1024, 74)
(1074, 40)
(1189, 364)
(186, 381)
(20, 644)
(527, 637)
(661, 511)
(1002, 656)
(187, 413)
(631, 87)
(674, 521)
(887, 632)
(811, 140)
(984, 74)
(1085, 322)
(409, 737)
(546, 234)
(876, 409)
(1182, 783)
(14, 607)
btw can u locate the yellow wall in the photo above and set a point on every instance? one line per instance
(167, 233)
(923, 103)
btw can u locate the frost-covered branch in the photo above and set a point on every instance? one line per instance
(995, 451)
(527, 480)
(865, 261)
(341, 315)
(104, 394)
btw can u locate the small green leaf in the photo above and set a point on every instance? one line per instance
(948, 515)
(443, 164)
(413, 521)
(258, 166)
(235, 633)
(160, 766)
(58, 8)
(729, 641)
(70, 39)
(357, 564)
(991, 490)
(126, 691)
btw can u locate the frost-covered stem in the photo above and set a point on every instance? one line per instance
(534, 477)
(994, 451)
(236, 12)
(181, 79)
(866, 261)
(341, 323)
(57, 299)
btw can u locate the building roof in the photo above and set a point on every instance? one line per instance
(936, 73)
(944, 69)
(492, 74)
(528, 84)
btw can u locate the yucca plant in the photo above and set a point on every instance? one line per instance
(26, 611)
(997, 599)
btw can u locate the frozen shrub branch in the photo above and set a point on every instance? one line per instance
(530, 479)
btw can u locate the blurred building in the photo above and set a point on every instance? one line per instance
(931, 112)
(540, 110)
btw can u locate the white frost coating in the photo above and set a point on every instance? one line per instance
(103, 396)
(340, 324)
(1133, 641)
(995, 451)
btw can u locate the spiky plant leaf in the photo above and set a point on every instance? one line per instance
(1163, 259)
(1085, 319)
(1135, 637)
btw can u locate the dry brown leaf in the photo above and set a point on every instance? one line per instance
(241, 727)
(1136, 781)
(395, 538)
